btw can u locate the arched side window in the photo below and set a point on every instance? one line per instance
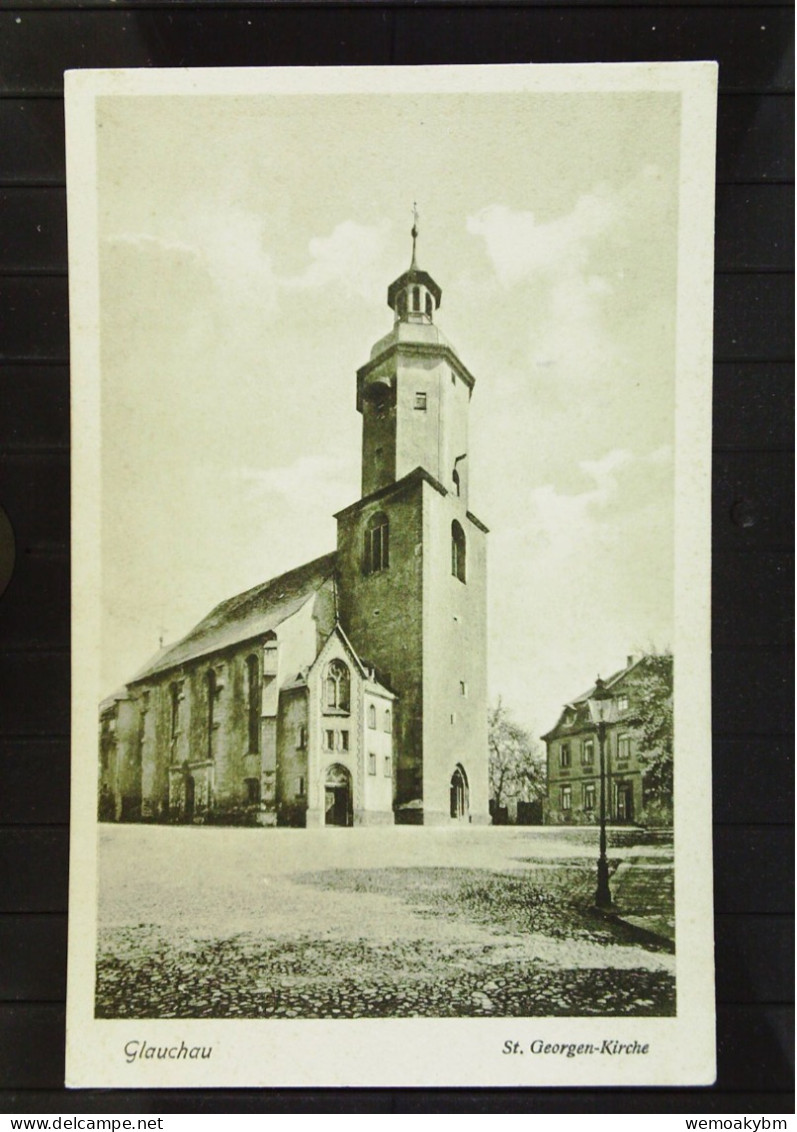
(253, 703)
(174, 692)
(458, 551)
(210, 682)
(388, 721)
(371, 716)
(376, 554)
(338, 685)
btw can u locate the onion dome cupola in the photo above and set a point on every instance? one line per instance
(414, 296)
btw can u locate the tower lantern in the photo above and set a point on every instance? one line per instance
(414, 296)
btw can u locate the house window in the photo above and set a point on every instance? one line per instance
(175, 694)
(377, 544)
(388, 721)
(252, 791)
(329, 740)
(300, 786)
(420, 401)
(624, 747)
(338, 686)
(388, 767)
(622, 703)
(371, 716)
(344, 740)
(589, 796)
(463, 688)
(458, 551)
(211, 688)
(567, 797)
(588, 752)
(253, 703)
(564, 755)
(301, 737)
(372, 763)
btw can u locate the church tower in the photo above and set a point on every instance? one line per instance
(412, 560)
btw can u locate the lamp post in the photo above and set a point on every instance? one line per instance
(598, 708)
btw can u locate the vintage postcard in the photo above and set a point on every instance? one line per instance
(391, 483)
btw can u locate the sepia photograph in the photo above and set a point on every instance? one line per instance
(391, 417)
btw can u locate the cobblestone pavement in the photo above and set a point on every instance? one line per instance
(221, 929)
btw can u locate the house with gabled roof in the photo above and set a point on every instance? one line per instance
(573, 756)
(351, 690)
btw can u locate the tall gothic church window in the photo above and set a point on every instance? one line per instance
(458, 551)
(253, 704)
(377, 544)
(211, 706)
(338, 686)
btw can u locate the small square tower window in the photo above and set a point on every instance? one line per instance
(420, 401)
(344, 740)
(463, 687)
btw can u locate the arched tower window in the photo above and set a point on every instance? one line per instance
(457, 484)
(338, 686)
(376, 555)
(371, 716)
(416, 298)
(253, 703)
(428, 304)
(458, 551)
(210, 682)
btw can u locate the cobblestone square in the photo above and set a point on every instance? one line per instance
(400, 922)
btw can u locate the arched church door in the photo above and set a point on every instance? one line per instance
(190, 798)
(337, 796)
(459, 793)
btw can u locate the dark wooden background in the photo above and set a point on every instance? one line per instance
(753, 497)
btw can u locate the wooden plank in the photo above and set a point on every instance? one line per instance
(753, 46)
(753, 405)
(34, 694)
(35, 402)
(752, 602)
(34, 958)
(36, 326)
(753, 870)
(35, 53)
(752, 501)
(754, 318)
(754, 228)
(35, 868)
(752, 694)
(32, 230)
(35, 782)
(34, 490)
(34, 609)
(739, 795)
(754, 959)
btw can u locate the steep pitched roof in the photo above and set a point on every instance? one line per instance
(578, 707)
(255, 611)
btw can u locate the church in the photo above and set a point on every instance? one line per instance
(351, 690)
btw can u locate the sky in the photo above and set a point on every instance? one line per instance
(246, 247)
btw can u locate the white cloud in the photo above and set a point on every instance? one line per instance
(350, 255)
(521, 248)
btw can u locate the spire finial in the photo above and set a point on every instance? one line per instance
(414, 232)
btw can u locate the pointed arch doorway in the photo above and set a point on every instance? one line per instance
(338, 809)
(460, 802)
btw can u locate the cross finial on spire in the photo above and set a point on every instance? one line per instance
(414, 232)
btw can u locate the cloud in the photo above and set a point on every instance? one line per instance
(520, 248)
(351, 254)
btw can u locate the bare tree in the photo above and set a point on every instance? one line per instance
(517, 766)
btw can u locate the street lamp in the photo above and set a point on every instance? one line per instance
(599, 711)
